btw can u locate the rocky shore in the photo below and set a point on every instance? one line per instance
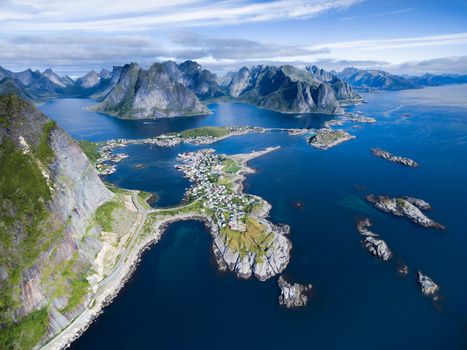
(378, 152)
(293, 295)
(400, 206)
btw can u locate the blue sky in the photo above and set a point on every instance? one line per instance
(72, 37)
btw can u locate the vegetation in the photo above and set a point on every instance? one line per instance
(26, 333)
(254, 239)
(103, 214)
(79, 288)
(90, 149)
(213, 131)
(230, 166)
(44, 152)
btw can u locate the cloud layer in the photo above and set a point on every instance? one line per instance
(122, 15)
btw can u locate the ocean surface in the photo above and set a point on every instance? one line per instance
(178, 300)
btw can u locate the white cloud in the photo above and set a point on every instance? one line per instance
(372, 45)
(119, 15)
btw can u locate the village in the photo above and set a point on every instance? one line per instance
(209, 173)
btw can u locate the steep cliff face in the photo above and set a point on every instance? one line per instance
(342, 89)
(151, 93)
(49, 194)
(285, 89)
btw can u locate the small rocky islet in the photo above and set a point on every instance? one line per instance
(378, 152)
(293, 295)
(408, 207)
(428, 287)
(374, 245)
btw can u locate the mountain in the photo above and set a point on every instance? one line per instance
(284, 89)
(49, 239)
(151, 93)
(63, 82)
(374, 79)
(110, 79)
(33, 85)
(201, 81)
(9, 86)
(438, 80)
(342, 89)
(90, 80)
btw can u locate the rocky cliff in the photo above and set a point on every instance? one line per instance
(284, 89)
(151, 93)
(342, 89)
(201, 81)
(49, 195)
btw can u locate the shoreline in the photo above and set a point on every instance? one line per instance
(127, 266)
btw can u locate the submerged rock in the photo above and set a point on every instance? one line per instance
(426, 284)
(293, 295)
(402, 269)
(400, 206)
(377, 247)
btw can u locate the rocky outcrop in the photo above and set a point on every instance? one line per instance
(293, 295)
(427, 285)
(378, 152)
(375, 246)
(284, 89)
(273, 261)
(420, 203)
(402, 269)
(149, 93)
(47, 210)
(400, 206)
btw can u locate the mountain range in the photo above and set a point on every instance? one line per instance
(169, 89)
(367, 80)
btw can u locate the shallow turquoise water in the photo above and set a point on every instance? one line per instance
(178, 300)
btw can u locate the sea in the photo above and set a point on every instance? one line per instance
(177, 299)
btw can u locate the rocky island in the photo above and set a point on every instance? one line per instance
(357, 117)
(293, 295)
(401, 206)
(427, 285)
(326, 138)
(375, 246)
(392, 158)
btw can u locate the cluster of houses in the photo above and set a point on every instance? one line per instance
(205, 168)
(102, 164)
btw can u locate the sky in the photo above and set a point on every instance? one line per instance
(74, 36)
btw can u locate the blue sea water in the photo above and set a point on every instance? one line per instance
(178, 300)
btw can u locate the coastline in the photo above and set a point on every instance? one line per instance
(111, 285)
